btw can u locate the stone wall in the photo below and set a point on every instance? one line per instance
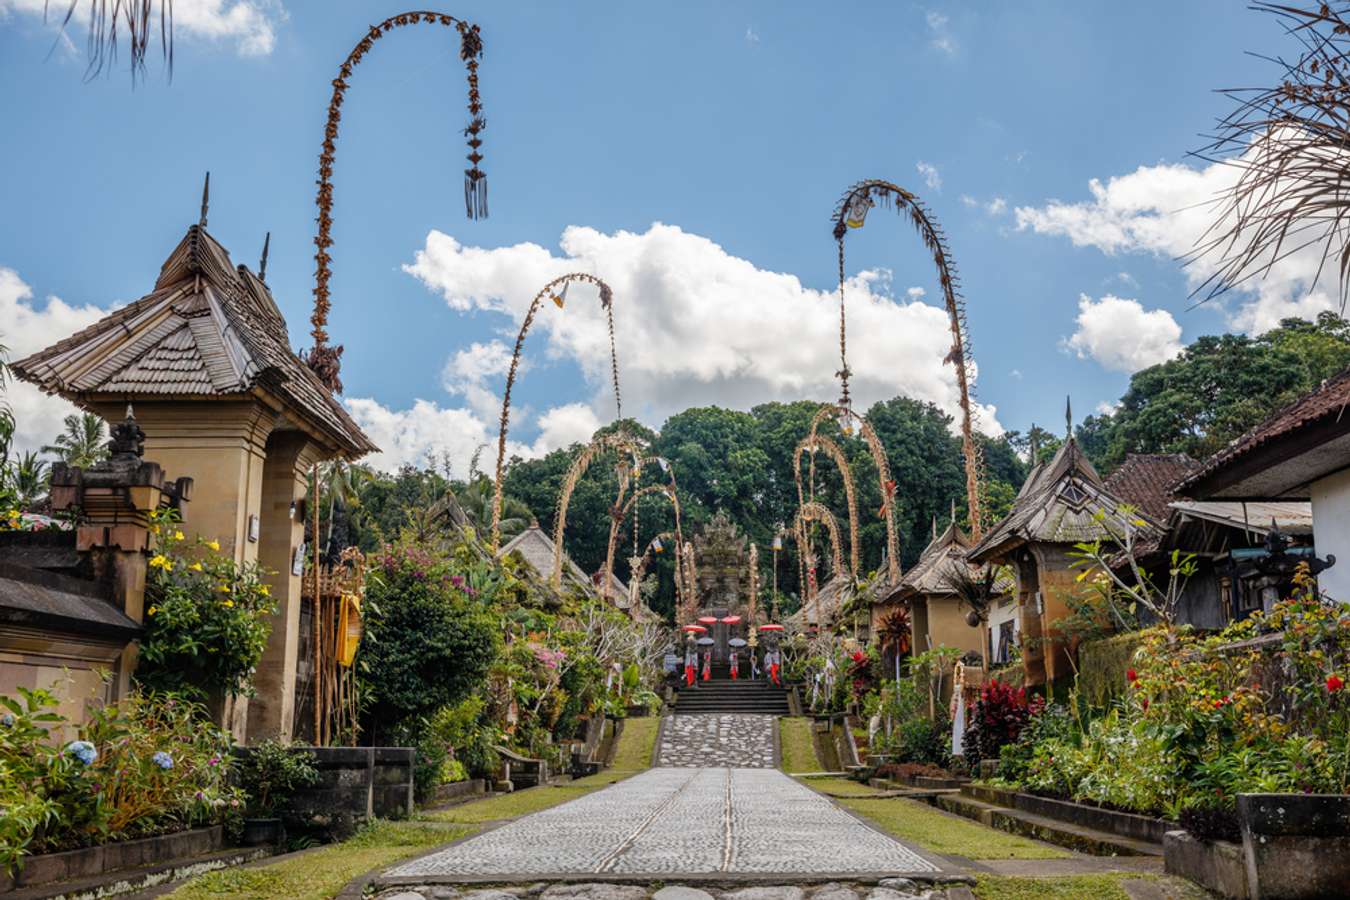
(361, 782)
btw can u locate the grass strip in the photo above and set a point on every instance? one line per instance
(842, 787)
(320, 874)
(919, 823)
(798, 751)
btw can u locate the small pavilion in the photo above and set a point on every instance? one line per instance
(206, 362)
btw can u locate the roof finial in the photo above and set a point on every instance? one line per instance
(262, 263)
(206, 200)
(935, 527)
(1068, 417)
(1034, 437)
(953, 512)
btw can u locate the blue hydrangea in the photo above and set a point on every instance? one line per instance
(162, 759)
(83, 751)
(7, 720)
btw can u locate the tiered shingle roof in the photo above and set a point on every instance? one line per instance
(208, 329)
(1147, 481)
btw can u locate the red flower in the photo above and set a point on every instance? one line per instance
(1334, 684)
(1131, 676)
(1145, 702)
(1218, 703)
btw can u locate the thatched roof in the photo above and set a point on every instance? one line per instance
(207, 330)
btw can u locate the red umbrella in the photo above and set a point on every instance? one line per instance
(695, 629)
(707, 620)
(731, 620)
(771, 628)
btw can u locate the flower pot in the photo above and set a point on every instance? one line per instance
(263, 832)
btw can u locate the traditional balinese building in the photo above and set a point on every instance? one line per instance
(1057, 508)
(931, 588)
(72, 598)
(1301, 453)
(206, 360)
(535, 548)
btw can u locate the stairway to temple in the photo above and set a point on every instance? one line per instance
(722, 695)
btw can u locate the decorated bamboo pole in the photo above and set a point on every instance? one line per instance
(555, 290)
(852, 213)
(316, 610)
(324, 360)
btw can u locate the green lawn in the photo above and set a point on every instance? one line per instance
(841, 787)
(636, 744)
(934, 830)
(320, 874)
(798, 752)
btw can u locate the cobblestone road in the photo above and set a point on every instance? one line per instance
(681, 821)
(738, 741)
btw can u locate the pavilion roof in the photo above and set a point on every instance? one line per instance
(1058, 504)
(1148, 481)
(207, 330)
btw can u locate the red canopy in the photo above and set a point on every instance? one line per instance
(731, 620)
(771, 628)
(695, 629)
(708, 620)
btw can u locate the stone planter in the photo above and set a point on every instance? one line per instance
(263, 833)
(1216, 866)
(1295, 845)
(460, 790)
(89, 862)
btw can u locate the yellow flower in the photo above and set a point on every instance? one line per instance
(152, 610)
(178, 535)
(160, 561)
(224, 588)
(229, 603)
(196, 567)
(265, 589)
(154, 529)
(214, 545)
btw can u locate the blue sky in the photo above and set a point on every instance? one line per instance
(735, 124)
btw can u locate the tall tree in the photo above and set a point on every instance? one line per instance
(83, 442)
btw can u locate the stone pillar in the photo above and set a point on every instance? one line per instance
(222, 445)
(290, 457)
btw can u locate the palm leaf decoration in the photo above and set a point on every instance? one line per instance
(108, 20)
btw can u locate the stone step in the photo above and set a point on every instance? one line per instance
(1042, 828)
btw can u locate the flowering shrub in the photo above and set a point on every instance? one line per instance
(1206, 718)
(141, 766)
(207, 619)
(998, 719)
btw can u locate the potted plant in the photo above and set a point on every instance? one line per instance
(270, 772)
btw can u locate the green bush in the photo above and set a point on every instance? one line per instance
(271, 771)
(207, 618)
(428, 640)
(1102, 666)
(141, 766)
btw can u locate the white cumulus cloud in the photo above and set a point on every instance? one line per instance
(25, 329)
(1123, 336)
(694, 326)
(931, 176)
(1166, 210)
(249, 24)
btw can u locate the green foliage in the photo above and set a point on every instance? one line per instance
(1102, 665)
(429, 639)
(142, 766)
(83, 443)
(270, 771)
(207, 618)
(1216, 389)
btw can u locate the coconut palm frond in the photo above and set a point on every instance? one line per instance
(1288, 142)
(109, 20)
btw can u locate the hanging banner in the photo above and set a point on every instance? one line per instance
(349, 628)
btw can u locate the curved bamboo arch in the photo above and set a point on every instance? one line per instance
(885, 482)
(811, 511)
(809, 444)
(691, 584)
(640, 570)
(618, 441)
(851, 213)
(616, 519)
(323, 359)
(549, 290)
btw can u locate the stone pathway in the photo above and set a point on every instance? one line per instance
(681, 821)
(884, 889)
(738, 741)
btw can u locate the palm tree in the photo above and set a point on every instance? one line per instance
(476, 501)
(29, 478)
(83, 443)
(342, 482)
